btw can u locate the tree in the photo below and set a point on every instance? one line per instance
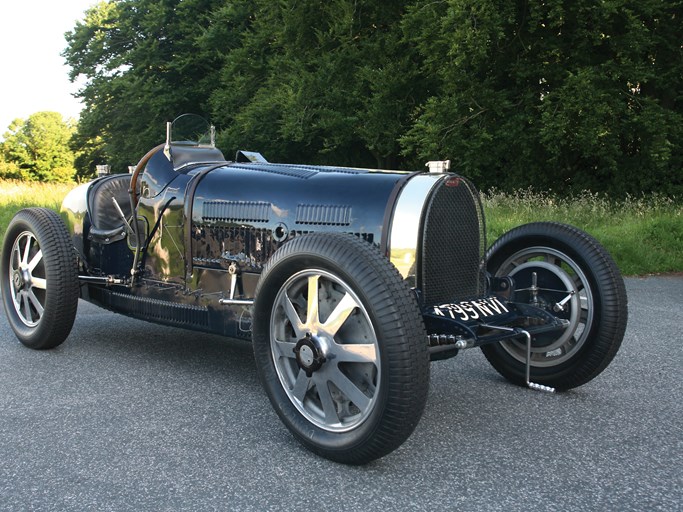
(326, 82)
(559, 94)
(37, 149)
(143, 67)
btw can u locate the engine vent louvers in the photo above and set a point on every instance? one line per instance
(236, 211)
(323, 214)
(339, 170)
(292, 171)
(320, 168)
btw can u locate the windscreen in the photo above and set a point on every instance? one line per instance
(191, 130)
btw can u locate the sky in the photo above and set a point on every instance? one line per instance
(34, 77)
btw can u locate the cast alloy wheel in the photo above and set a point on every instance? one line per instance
(27, 279)
(568, 273)
(340, 347)
(325, 350)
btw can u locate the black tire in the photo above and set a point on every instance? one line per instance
(569, 265)
(39, 278)
(347, 401)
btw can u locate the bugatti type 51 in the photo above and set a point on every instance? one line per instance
(347, 281)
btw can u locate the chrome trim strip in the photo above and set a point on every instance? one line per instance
(236, 302)
(404, 235)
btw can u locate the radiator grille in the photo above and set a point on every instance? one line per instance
(453, 243)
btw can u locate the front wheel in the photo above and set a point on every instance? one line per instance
(340, 347)
(568, 273)
(39, 278)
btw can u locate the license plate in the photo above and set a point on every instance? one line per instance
(472, 309)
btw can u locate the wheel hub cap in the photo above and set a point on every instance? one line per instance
(18, 279)
(560, 280)
(309, 354)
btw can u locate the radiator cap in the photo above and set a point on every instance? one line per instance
(438, 166)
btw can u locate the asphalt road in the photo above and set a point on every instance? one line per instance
(130, 416)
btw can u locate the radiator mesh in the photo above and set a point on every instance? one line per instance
(453, 243)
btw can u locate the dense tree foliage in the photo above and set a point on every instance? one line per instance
(579, 94)
(37, 149)
(567, 95)
(316, 81)
(143, 66)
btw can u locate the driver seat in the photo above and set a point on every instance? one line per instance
(107, 226)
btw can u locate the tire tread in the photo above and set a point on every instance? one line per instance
(61, 299)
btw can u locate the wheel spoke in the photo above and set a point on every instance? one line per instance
(355, 353)
(35, 260)
(39, 282)
(348, 388)
(36, 303)
(27, 248)
(293, 316)
(538, 355)
(329, 407)
(337, 318)
(16, 257)
(568, 345)
(300, 386)
(26, 307)
(556, 267)
(584, 302)
(285, 348)
(515, 264)
(312, 318)
(13, 288)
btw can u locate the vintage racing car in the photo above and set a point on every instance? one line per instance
(348, 281)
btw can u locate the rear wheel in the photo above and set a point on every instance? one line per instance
(567, 272)
(39, 278)
(340, 347)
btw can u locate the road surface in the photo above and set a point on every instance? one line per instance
(128, 416)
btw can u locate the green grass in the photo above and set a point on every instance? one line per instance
(644, 235)
(15, 195)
